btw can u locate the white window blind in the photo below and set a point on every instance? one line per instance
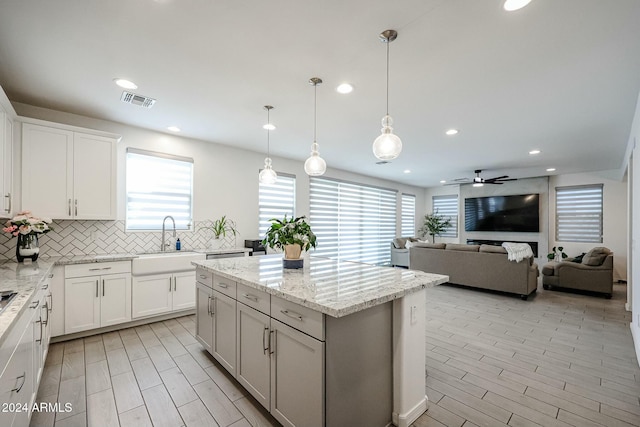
(158, 185)
(408, 218)
(448, 207)
(352, 222)
(276, 201)
(579, 213)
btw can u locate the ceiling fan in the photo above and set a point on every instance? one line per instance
(479, 180)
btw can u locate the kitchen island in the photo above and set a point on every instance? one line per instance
(333, 344)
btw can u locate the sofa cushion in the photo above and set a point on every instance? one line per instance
(596, 256)
(462, 247)
(429, 245)
(548, 269)
(493, 249)
(399, 242)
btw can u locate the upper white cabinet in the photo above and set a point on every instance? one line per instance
(68, 174)
(6, 164)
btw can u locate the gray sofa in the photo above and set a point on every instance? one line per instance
(594, 273)
(478, 266)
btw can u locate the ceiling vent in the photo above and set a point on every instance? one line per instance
(135, 99)
(382, 162)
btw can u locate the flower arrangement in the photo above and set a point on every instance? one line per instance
(24, 223)
(292, 231)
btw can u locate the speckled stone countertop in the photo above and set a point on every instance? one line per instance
(335, 288)
(22, 278)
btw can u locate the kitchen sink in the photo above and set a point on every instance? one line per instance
(164, 262)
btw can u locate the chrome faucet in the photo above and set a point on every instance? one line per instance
(163, 245)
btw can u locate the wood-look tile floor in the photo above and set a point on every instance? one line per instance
(559, 359)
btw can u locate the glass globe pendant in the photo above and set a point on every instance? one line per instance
(315, 165)
(388, 145)
(267, 175)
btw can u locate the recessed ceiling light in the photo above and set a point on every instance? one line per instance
(174, 128)
(269, 126)
(407, 171)
(125, 84)
(345, 88)
(551, 169)
(451, 132)
(511, 5)
(534, 152)
(443, 181)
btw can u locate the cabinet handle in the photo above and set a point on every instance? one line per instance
(169, 284)
(213, 299)
(272, 349)
(24, 377)
(46, 310)
(208, 305)
(223, 285)
(51, 276)
(97, 295)
(291, 314)
(202, 276)
(251, 297)
(102, 287)
(69, 204)
(98, 269)
(50, 296)
(265, 346)
(175, 284)
(35, 304)
(8, 196)
(76, 207)
(45, 286)
(39, 340)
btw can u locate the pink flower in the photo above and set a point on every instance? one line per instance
(16, 234)
(25, 229)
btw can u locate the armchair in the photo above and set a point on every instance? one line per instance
(581, 276)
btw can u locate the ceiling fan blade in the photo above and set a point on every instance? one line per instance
(498, 177)
(493, 182)
(509, 179)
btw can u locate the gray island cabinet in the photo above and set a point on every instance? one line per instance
(333, 344)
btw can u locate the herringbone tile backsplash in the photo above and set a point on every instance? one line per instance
(109, 237)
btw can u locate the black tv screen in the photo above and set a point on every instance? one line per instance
(502, 213)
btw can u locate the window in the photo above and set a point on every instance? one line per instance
(352, 222)
(408, 216)
(448, 207)
(579, 213)
(158, 185)
(276, 201)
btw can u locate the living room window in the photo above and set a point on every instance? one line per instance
(352, 221)
(448, 207)
(579, 213)
(408, 215)
(276, 201)
(158, 185)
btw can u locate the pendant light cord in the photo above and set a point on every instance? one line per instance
(388, 41)
(315, 110)
(268, 131)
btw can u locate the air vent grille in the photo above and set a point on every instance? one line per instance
(382, 162)
(135, 99)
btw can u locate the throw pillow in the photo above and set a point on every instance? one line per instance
(399, 243)
(578, 259)
(595, 256)
(409, 244)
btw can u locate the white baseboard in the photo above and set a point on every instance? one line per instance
(405, 420)
(635, 333)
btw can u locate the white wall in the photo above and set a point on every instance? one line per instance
(614, 233)
(225, 177)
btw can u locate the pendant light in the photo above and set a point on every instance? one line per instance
(315, 165)
(267, 174)
(387, 146)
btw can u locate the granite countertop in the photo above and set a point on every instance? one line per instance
(335, 288)
(22, 278)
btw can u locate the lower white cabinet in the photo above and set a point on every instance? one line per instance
(96, 300)
(162, 293)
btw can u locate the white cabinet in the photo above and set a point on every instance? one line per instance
(82, 185)
(163, 293)
(56, 301)
(6, 164)
(96, 295)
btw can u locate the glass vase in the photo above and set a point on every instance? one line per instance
(27, 247)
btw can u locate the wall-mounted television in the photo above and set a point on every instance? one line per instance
(518, 213)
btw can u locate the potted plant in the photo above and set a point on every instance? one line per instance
(220, 228)
(27, 228)
(293, 235)
(556, 254)
(434, 224)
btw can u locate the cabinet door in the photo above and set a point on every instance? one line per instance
(94, 186)
(82, 304)
(224, 331)
(47, 175)
(6, 166)
(184, 290)
(253, 368)
(297, 377)
(204, 319)
(115, 303)
(151, 295)
(56, 301)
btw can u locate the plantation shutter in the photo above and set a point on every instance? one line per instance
(352, 222)
(579, 213)
(448, 207)
(275, 201)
